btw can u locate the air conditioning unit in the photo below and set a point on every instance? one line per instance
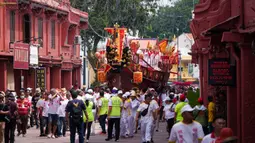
(77, 40)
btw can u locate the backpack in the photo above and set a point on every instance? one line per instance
(77, 113)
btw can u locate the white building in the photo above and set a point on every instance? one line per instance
(190, 71)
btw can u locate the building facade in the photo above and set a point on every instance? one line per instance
(189, 71)
(224, 33)
(52, 27)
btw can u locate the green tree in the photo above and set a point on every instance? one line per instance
(132, 14)
(171, 20)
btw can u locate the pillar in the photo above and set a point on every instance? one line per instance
(247, 94)
(67, 80)
(17, 80)
(3, 76)
(234, 96)
(48, 78)
(78, 70)
(55, 77)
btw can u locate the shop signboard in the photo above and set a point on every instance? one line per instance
(221, 72)
(21, 56)
(40, 81)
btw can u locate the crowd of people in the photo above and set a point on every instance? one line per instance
(121, 114)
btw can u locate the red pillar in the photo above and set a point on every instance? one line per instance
(55, 77)
(3, 76)
(17, 80)
(247, 94)
(67, 80)
(78, 70)
(31, 79)
(48, 78)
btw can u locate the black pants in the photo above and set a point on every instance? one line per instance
(76, 127)
(161, 111)
(102, 119)
(88, 129)
(170, 123)
(22, 128)
(9, 131)
(116, 123)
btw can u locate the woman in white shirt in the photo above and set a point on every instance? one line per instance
(169, 114)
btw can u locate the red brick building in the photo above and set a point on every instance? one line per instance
(224, 31)
(52, 26)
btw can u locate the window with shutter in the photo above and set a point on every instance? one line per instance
(12, 26)
(53, 34)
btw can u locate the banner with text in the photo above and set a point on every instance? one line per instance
(21, 56)
(221, 73)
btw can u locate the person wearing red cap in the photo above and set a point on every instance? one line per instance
(218, 123)
(226, 136)
(201, 115)
(178, 108)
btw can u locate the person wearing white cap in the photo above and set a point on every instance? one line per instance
(88, 121)
(131, 120)
(124, 115)
(188, 130)
(114, 113)
(169, 113)
(148, 115)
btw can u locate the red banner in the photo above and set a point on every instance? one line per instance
(21, 56)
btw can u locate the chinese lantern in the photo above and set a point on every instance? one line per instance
(137, 77)
(101, 76)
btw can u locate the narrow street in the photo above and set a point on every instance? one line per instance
(33, 137)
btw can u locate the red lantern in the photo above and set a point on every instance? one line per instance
(137, 77)
(101, 76)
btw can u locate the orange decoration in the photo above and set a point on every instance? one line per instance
(101, 76)
(137, 77)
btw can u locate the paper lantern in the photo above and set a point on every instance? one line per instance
(101, 76)
(137, 77)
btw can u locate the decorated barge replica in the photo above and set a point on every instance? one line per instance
(132, 62)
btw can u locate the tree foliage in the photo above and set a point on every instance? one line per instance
(132, 14)
(171, 20)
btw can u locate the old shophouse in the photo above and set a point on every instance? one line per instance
(39, 44)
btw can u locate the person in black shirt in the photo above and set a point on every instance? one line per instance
(11, 125)
(4, 111)
(35, 99)
(74, 110)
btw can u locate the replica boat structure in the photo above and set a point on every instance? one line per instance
(127, 62)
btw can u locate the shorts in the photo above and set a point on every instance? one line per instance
(53, 118)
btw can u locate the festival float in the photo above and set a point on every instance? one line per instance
(133, 62)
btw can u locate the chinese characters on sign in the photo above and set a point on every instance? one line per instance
(221, 72)
(21, 56)
(40, 78)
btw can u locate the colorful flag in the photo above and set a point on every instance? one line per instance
(107, 68)
(162, 45)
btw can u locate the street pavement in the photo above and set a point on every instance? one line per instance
(33, 137)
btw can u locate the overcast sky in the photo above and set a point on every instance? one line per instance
(166, 2)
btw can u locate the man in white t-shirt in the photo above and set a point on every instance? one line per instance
(52, 112)
(147, 119)
(186, 131)
(43, 107)
(218, 123)
(169, 113)
(62, 114)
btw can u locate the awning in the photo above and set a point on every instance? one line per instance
(221, 27)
